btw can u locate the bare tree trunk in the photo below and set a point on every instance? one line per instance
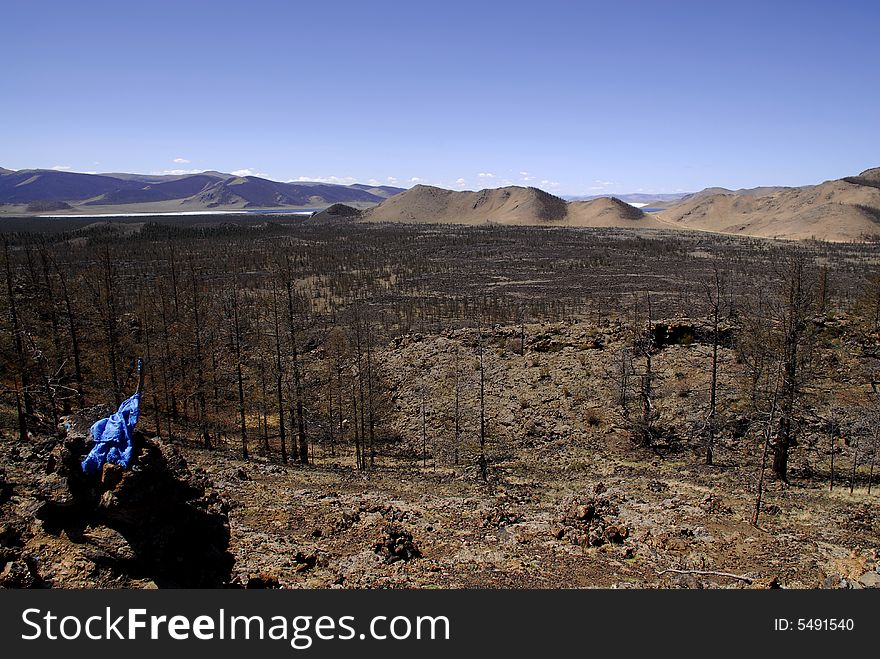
(297, 381)
(149, 366)
(112, 340)
(279, 374)
(768, 430)
(238, 370)
(21, 362)
(264, 405)
(170, 391)
(647, 388)
(484, 472)
(370, 408)
(360, 381)
(715, 303)
(22, 417)
(200, 375)
(457, 439)
(354, 411)
(330, 420)
(831, 442)
(74, 339)
(855, 465)
(58, 369)
(339, 398)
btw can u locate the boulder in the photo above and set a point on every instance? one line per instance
(396, 544)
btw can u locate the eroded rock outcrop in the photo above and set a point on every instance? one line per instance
(158, 523)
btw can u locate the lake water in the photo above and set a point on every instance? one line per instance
(249, 211)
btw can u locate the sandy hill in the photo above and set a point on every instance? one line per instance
(608, 212)
(839, 210)
(510, 205)
(745, 192)
(710, 192)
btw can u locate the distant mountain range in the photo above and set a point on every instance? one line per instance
(634, 198)
(39, 189)
(846, 209)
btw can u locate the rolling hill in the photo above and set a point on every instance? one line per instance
(510, 205)
(383, 191)
(255, 192)
(336, 214)
(845, 209)
(181, 188)
(29, 185)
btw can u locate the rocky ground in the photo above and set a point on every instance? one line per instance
(156, 524)
(570, 501)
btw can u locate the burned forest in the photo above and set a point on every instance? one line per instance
(393, 405)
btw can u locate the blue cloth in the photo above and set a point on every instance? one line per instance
(113, 437)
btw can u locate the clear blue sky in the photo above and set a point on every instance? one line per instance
(574, 97)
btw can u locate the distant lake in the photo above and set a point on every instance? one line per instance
(246, 211)
(285, 211)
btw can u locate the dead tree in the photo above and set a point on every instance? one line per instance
(484, 472)
(768, 432)
(236, 336)
(457, 408)
(201, 413)
(855, 463)
(641, 423)
(110, 326)
(58, 363)
(279, 372)
(26, 409)
(833, 434)
(299, 416)
(796, 336)
(74, 337)
(714, 295)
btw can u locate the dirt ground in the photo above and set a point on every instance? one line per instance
(570, 500)
(317, 526)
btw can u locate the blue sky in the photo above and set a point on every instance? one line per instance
(573, 97)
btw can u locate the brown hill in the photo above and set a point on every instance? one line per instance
(608, 212)
(839, 210)
(336, 214)
(513, 205)
(510, 205)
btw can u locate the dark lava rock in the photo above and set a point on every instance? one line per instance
(396, 544)
(157, 521)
